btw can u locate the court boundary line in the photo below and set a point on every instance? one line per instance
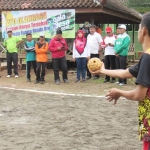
(53, 93)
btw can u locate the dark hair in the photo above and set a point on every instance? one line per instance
(58, 32)
(146, 22)
(92, 26)
(9, 31)
(28, 34)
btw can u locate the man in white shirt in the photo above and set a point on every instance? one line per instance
(108, 44)
(94, 41)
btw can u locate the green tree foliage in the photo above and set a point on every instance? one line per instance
(139, 3)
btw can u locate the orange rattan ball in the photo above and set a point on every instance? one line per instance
(94, 64)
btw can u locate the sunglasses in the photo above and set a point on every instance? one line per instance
(108, 32)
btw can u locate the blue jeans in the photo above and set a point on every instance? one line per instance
(81, 67)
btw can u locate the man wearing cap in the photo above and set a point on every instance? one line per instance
(11, 44)
(121, 50)
(108, 45)
(58, 48)
(94, 41)
(86, 29)
(41, 49)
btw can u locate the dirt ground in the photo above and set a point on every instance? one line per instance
(32, 120)
(92, 87)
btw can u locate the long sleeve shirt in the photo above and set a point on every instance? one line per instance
(55, 44)
(122, 44)
(30, 49)
(86, 52)
(41, 50)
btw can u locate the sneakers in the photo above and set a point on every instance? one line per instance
(8, 76)
(121, 84)
(77, 81)
(88, 78)
(28, 80)
(105, 81)
(117, 82)
(16, 76)
(42, 82)
(57, 82)
(66, 81)
(95, 78)
(36, 82)
(83, 80)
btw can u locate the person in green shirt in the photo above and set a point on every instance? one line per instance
(11, 44)
(121, 48)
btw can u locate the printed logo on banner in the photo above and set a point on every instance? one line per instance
(47, 21)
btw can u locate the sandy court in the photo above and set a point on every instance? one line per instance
(39, 121)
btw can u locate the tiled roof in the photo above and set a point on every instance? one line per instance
(119, 7)
(60, 4)
(44, 4)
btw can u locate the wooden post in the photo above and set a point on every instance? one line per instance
(133, 42)
(0, 65)
(127, 28)
(133, 33)
(92, 19)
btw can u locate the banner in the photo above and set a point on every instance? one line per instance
(36, 21)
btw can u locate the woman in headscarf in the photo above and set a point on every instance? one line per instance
(80, 54)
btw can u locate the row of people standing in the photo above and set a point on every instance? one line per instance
(36, 56)
(115, 50)
(84, 49)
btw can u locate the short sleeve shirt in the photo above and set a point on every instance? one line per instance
(109, 50)
(94, 41)
(11, 44)
(141, 72)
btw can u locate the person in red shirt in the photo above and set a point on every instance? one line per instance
(58, 48)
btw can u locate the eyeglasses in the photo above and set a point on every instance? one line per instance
(108, 32)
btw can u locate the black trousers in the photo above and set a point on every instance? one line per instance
(40, 74)
(60, 63)
(110, 63)
(12, 57)
(121, 63)
(88, 72)
(28, 68)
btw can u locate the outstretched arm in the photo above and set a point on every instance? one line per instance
(114, 73)
(137, 94)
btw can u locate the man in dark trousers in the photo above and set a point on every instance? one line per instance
(108, 44)
(94, 41)
(30, 55)
(11, 44)
(41, 49)
(121, 48)
(58, 48)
